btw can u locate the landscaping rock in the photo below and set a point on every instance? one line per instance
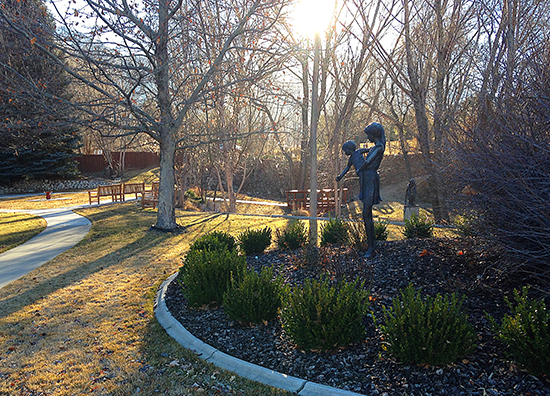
(466, 266)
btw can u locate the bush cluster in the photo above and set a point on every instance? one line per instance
(318, 316)
(334, 232)
(434, 331)
(526, 333)
(294, 236)
(207, 274)
(256, 298)
(358, 235)
(216, 240)
(381, 231)
(465, 225)
(418, 227)
(254, 242)
(214, 273)
(192, 196)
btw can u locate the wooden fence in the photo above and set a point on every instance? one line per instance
(92, 163)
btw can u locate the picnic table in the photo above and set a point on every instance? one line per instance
(326, 199)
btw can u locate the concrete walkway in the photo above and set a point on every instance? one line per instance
(64, 230)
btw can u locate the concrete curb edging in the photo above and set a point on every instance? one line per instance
(244, 369)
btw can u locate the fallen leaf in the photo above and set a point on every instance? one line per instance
(425, 253)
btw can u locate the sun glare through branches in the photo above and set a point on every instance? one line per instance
(312, 16)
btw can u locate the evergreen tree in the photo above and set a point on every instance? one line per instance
(38, 137)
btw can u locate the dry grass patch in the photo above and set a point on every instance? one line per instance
(139, 176)
(39, 201)
(259, 209)
(17, 228)
(83, 322)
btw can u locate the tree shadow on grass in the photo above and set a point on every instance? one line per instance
(35, 290)
(181, 368)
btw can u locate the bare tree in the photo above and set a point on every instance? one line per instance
(151, 62)
(435, 35)
(506, 162)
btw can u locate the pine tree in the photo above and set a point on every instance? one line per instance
(38, 137)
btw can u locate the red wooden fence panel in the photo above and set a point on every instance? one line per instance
(93, 163)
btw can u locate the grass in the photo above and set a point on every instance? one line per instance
(138, 176)
(39, 201)
(83, 322)
(17, 228)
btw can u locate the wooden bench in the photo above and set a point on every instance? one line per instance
(114, 191)
(326, 199)
(132, 188)
(150, 197)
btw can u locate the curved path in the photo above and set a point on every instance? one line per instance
(64, 230)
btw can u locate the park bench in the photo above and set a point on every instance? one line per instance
(113, 190)
(326, 199)
(150, 197)
(132, 188)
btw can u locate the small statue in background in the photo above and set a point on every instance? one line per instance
(410, 194)
(410, 208)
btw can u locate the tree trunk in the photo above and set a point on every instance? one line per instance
(313, 143)
(419, 88)
(404, 150)
(304, 144)
(166, 216)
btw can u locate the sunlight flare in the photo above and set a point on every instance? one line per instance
(312, 16)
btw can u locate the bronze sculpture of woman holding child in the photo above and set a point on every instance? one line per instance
(369, 179)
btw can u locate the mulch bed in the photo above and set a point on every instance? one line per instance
(467, 266)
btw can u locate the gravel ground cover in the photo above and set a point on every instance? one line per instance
(467, 266)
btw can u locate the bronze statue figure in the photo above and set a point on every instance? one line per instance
(369, 179)
(410, 194)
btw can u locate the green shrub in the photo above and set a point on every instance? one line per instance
(465, 225)
(254, 241)
(255, 298)
(358, 235)
(334, 232)
(192, 196)
(435, 331)
(417, 227)
(214, 241)
(206, 275)
(294, 236)
(527, 333)
(318, 316)
(381, 231)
